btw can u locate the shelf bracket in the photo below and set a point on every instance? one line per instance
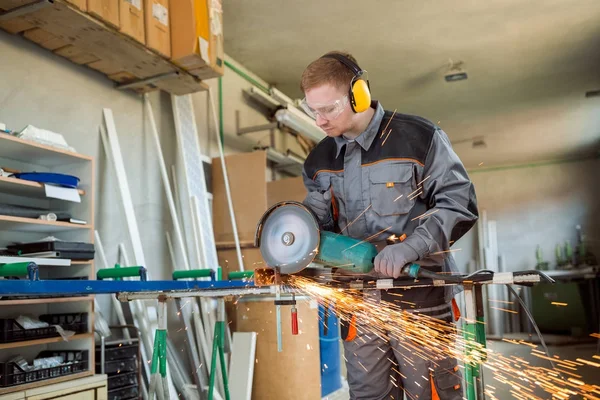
(146, 81)
(252, 129)
(25, 9)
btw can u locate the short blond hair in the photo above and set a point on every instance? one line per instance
(327, 70)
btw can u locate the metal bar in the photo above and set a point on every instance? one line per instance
(131, 290)
(83, 287)
(145, 81)
(25, 9)
(236, 236)
(215, 293)
(257, 128)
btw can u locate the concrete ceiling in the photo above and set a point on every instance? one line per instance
(529, 64)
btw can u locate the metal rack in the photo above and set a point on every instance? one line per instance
(120, 359)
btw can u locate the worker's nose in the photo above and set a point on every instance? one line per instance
(321, 121)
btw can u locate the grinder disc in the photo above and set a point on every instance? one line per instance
(289, 238)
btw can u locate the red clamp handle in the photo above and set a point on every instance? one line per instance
(294, 321)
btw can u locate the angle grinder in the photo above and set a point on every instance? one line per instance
(290, 241)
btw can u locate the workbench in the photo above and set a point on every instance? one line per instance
(579, 289)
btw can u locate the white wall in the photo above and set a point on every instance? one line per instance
(536, 206)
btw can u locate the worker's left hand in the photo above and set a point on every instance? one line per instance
(393, 258)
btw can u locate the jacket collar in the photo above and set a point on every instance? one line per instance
(366, 138)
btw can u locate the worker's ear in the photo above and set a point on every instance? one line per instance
(361, 96)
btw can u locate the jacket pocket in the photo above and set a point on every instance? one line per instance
(390, 189)
(447, 380)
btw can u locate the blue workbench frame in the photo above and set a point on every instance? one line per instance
(10, 287)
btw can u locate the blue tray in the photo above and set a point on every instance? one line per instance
(49, 177)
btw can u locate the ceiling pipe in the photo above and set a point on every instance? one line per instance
(247, 77)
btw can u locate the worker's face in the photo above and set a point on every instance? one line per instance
(330, 107)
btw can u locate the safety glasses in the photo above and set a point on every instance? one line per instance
(326, 111)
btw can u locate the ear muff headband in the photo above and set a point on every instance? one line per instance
(359, 93)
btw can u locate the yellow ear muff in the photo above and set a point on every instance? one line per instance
(362, 96)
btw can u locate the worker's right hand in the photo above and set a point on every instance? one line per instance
(320, 204)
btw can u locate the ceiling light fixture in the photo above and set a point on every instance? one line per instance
(455, 71)
(300, 122)
(593, 93)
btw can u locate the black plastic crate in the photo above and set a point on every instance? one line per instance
(11, 374)
(121, 380)
(123, 393)
(112, 353)
(119, 366)
(12, 331)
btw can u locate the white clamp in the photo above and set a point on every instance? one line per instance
(503, 278)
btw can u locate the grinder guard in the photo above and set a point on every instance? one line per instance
(289, 240)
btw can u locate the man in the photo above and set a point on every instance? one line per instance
(377, 174)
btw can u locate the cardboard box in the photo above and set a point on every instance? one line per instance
(251, 195)
(228, 260)
(81, 4)
(247, 180)
(197, 37)
(158, 34)
(131, 13)
(105, 10)
(299, 361)
(289, 189)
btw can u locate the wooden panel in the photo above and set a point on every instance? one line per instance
(10, 4)
(105, 10)
(14, 148)
(158, 33)
(105, 67)
(247, 180)
(45, 39)
(21, 187)
(16, 25)
(27, 343)
(45, 301)
(228, 260)
(44, 382)
(131, 14)
(54, 391)
(8, 223)
(85, 395)
(122, 77)
(289, 189)
(76, 54)
(14, 396)
(81, 4)
(300, 356)
(229, 263)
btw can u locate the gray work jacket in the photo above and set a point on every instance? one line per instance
(400, 176)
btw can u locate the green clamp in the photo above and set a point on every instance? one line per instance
(30, 269)
(240, 275)
(194, 273)
(119, 273)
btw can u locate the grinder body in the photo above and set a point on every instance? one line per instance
(290, 240)
(346, 253)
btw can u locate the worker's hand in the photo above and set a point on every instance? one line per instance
(393, 258)
(320, 204)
